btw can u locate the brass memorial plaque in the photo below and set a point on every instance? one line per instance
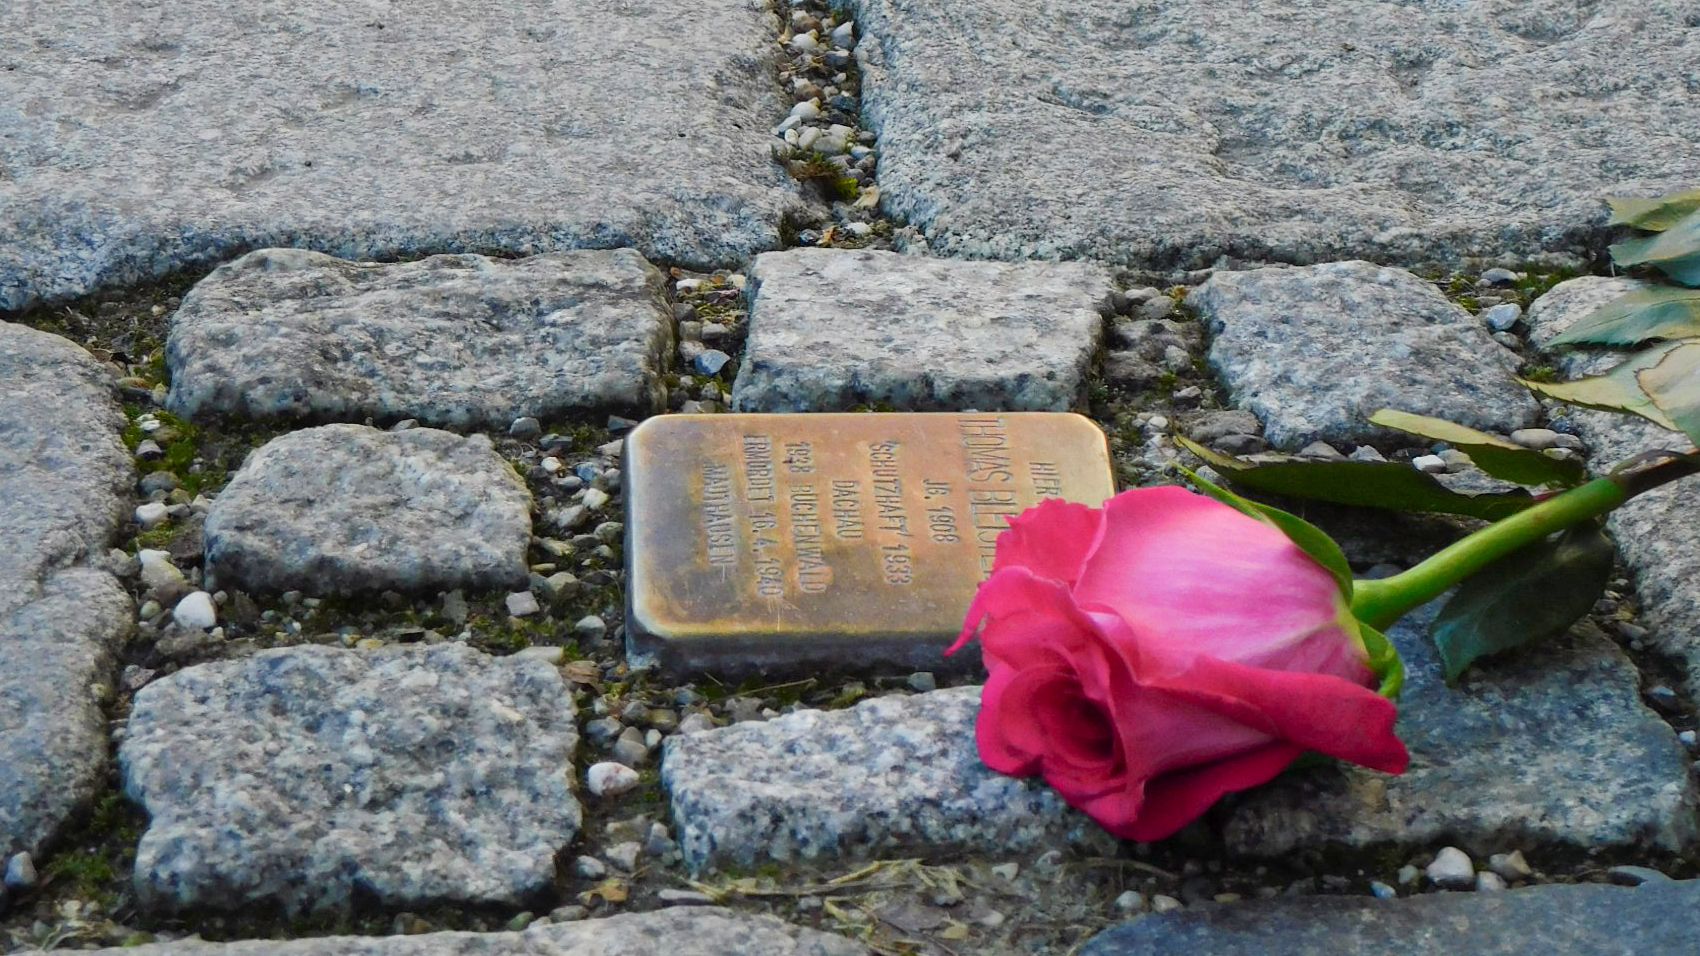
(778, 542)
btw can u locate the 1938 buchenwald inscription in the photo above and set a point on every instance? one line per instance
(854, 540)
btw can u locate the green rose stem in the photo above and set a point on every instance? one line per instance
(1380, 602)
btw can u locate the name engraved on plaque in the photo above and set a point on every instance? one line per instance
(762, 531)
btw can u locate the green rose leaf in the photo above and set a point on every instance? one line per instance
(1309, 538)
(1674, 387)
(1365, 484)
(1657, 312)
(1536, 592)
(1384, 661)
(1653, 215)
(1502, 459)
(1675, 252)
(1618, 390)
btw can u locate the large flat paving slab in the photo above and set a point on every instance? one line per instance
(1557, 920)
(316, 778)
(145, 137)
(350, 509)
(890, 776)
(834, 329)
(688, 931)
(1551, 746)
(455, 340)
(1171, 133)
(1315, 351)
(64, 488)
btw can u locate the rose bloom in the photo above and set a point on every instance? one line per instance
(1151, 656)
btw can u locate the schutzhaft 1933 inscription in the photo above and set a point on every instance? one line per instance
(780, 541)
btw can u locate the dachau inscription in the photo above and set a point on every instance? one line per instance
(776, 542)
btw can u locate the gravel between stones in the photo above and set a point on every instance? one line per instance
(459, 341)
(349, 509)
(315, 778)
(890, 776)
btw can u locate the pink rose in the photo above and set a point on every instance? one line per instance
(1149, 657)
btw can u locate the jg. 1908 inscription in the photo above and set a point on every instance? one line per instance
(775, 542)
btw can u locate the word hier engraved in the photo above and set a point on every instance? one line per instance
(773, 542)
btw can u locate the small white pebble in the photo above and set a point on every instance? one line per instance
(610, 779)
(152, 515)
(195, 612)
(1537, 438)
(522, 604)
(1431, 464)
(1132, 902)
(1452, 869)
(1502, 317)
(1164, 904)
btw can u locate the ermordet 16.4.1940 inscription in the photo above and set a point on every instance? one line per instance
(778, 542)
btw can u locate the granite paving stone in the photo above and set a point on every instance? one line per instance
(145, 138)
(350, 509)
(1315, 351)
(1562, 920)
(892, 775)
(1658, 533)
(317, 779)
(1550, 745)
(1169, 133)
(835, 329)
(460, 341)
(64, 490)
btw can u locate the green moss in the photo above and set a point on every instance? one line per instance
(157, 538)
(96, 865)
(505, 636)
(1533, 285)
(1541, 373)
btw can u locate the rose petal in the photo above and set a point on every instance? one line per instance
(1176, 799)
(1020, 701)
(1159, 729)
(1317, 712)
(1028, 620)
(994, 725)
(1052, 540)
(1192, 573)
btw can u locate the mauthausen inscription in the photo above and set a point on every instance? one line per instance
(764, 540)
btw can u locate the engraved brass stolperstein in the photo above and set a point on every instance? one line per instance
(778, 543)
